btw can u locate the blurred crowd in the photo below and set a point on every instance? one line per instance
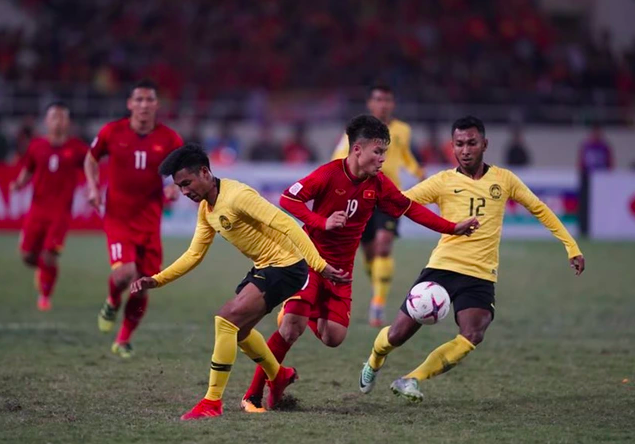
(499, 51)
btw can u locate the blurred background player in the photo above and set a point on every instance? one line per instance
(345, 193)
(467, 269)
(53, 163)
(380, 232)
(281, 253)
(136, 146)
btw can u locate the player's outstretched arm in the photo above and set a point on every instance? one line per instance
(524, 196)
(23, 178)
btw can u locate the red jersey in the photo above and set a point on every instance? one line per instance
(332, 187)
(55, 172)
(135, 188)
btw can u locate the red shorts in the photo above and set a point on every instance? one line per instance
(322, 299)
(44, 233)
(130, 246)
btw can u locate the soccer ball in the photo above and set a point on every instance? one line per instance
(428, 303)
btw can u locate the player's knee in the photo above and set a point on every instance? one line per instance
(49, 258)
(396, 336)
(124, 275)
(332, 340)
(291, 329)
(474, 336)
(29, 258)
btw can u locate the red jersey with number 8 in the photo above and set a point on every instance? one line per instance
(135, 188)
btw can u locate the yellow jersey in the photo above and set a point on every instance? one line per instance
(460, 197)
(398, 155)
(260, 230)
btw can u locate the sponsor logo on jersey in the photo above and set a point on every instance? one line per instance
(340, 192)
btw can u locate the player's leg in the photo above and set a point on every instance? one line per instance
(148, 255)
(48, 260)
(473, 301)
(32, 240)
(389, 338)
(291, 325)
(383, 268)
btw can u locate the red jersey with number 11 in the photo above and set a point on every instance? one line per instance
(135, 187)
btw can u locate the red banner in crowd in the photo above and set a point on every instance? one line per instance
(15, 205)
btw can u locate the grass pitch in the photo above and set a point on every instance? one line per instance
(557, 365)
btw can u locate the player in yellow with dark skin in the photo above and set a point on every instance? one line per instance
(466, 267)
(380, 232)
(265, 234)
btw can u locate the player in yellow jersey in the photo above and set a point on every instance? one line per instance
(380, 232)
(265, 234)
(466, 267)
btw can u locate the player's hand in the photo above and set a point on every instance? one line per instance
(143, 284)
(336, 275)
(467, 227)
(336, 220)
(577, 263)
(94, 198)
(171, 192)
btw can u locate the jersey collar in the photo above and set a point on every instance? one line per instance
(350, 176)
(485, 170)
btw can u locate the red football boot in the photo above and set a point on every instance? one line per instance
(204, 409)
(285, 377)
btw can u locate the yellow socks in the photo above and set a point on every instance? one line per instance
(381, 348)
(368, 267)
(258, 351)
(225, 349)
(443, 358)
(383, 269)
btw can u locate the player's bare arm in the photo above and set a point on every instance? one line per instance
(91, 170)
(23, 179)
(336, 220)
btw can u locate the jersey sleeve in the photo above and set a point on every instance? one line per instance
(294, 198)
(99, 146)
(177, 141)
(391, 201)
(524, 196)
(427, 191)
(249, 203)
(82, 150)
(341, 150)
(203, 238)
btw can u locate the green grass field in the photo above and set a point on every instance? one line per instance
(557, 365)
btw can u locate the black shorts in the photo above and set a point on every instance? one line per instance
(379, 221)
(277, 283)
(465, 291)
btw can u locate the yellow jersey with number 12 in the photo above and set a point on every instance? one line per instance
(460, 197)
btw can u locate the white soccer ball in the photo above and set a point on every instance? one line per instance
(428, 303)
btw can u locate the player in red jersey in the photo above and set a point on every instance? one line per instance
(52, 163)
(136, 146)
(345, 192)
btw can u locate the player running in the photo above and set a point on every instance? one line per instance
(53, 163)
(266, 235)
(467, 268)
(136, 146)
(380, 232)
(345, 193)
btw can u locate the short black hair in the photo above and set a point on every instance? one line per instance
(469, 122)
(191, 156)
(57, 104)
(379, 86)
(367, 127)
(146, 84)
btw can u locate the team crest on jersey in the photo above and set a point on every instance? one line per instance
(495, 191)
(369, 194)
(225, 223)
(340, 192)
(157, 148)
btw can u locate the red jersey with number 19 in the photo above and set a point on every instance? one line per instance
(332, 187)
(135, 188)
